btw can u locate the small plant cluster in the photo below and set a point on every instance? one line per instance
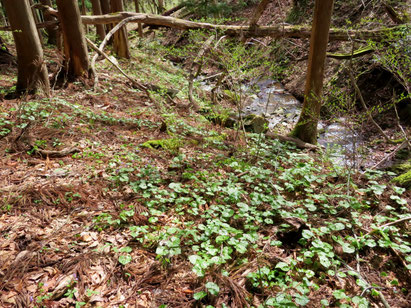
(266, 201)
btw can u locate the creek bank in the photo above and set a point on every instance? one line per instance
(272, 107)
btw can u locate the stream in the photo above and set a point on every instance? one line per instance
(282, 110)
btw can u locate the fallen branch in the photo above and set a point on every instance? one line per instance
(56, 154)
(299, 143)
(390, 155)
(277, 31)
(134, 82)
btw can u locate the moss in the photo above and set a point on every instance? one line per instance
(404, 179)
(255, 123)
(172, 145)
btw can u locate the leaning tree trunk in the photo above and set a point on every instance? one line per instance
(101, 32)
(75, 48)
(32, 71)
(121, 46)
(258, 12)
(306, 127)
(51, 30)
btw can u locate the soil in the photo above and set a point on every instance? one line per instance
(50, 243)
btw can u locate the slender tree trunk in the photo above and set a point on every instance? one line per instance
(140, 25)
(101, 32)
(52, 31)
(3, 14)
(160, 6)
(84, 12)
(258, 12)
(75, 48)
(32, 71)
(306, 127)
(106, 9)
(121, 46)
(36, 21)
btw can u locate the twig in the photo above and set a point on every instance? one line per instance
(389, 155)
(104, 43)
(382, 298)
(387, 225)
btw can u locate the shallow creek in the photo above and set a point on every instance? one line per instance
(282, 110)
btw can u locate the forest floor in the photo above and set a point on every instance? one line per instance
(154, 205)
(110, 199)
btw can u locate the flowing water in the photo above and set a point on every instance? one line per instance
(282, 110)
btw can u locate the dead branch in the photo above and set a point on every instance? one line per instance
(56, 154)
(134, 82)
(276, 31)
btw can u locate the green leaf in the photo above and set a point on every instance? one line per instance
(283, 266)
(212, 288)
(125, 259)
(301, 300)
(325, 261)
(200, 295)
(339, 294)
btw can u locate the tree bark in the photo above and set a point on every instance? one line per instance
(32, 71)
(120, 43)
(140, 26)
(101, 32)
(258, 12)
(36, 21)
(84, 12)
(52, 31)
(75, 48)
(276, 31)
(306, 127)
(160, 6)
(105, 8)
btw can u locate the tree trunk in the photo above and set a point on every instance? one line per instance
(75, 48)
(258, 12)
(101, 32)
(84, 12)
(105, 7)
(121, 46)
(32, 71)
(52, 31)
(160, 6)
(306, 127)
(36, 21)
(140, 26)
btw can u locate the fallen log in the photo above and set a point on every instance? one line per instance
(277, 31)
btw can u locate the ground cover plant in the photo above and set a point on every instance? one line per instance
(111, 199)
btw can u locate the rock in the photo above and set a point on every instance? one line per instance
(256, 124)
(404, 179)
